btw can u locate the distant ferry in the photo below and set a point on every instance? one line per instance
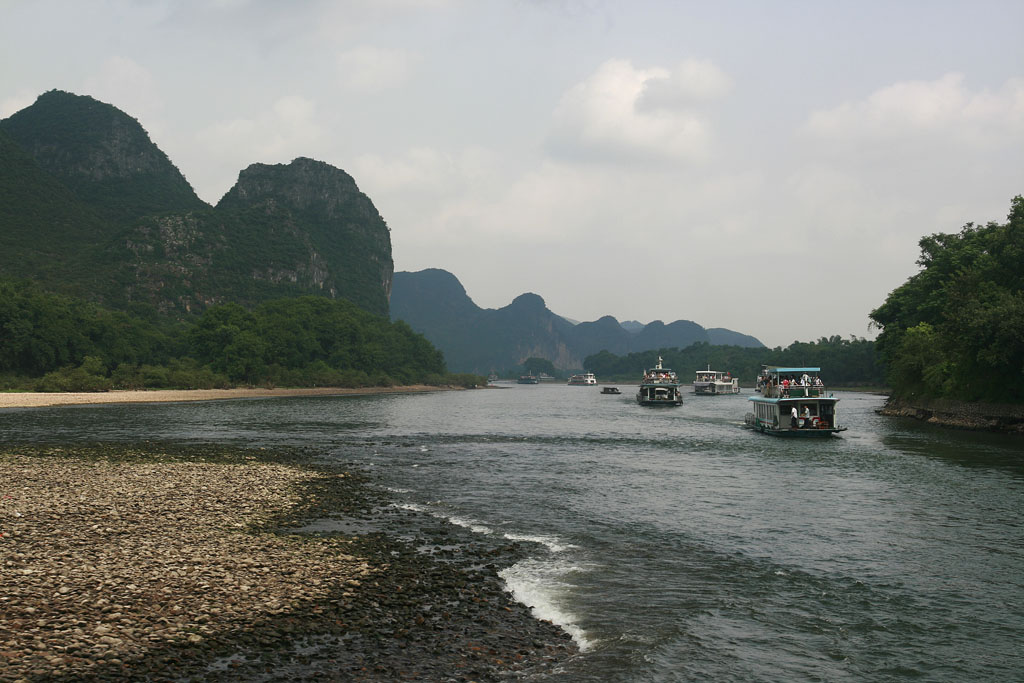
(528, 379)
(659, 387)
(794, 402)
(585, 379)
(714, 382)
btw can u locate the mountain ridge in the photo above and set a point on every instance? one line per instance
(99, 211)
(435, 303)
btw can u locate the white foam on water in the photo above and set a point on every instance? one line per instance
(470, 524)
(412, 507)
(552, 543)
(540, 584)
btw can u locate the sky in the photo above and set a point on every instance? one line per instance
(767, 167)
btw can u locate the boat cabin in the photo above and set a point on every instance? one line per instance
(794, 402)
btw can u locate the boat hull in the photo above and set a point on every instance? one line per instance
(750, 422)
(659, 395)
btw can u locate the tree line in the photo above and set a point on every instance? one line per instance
(955, 329)
(51, 342)
(844, 362)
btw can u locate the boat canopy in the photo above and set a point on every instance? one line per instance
(771, 368)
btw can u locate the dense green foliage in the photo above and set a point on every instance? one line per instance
(50, 342)
(90, 207)
(844, 362)
(956, 328)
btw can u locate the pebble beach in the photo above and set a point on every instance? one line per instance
(161, 562)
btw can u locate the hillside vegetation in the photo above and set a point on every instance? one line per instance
(90, 207)
(843, 362)
(956, 328)
(53, 342)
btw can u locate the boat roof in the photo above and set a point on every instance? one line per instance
(772, 368)
(794, 399)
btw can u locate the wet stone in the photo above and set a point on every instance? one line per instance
(157, 562)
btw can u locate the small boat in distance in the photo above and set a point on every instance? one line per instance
(794, 402)
(585, 379)
(714, 382)
(659, 387)
(528, 379)
(610, 390)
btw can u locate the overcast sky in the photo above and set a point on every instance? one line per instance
(768, 167)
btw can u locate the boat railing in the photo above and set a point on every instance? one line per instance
(795, 391)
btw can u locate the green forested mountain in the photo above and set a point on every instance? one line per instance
(956, 328)
(479, 340)
(89, 206)
(102, 155)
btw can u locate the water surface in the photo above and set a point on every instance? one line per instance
(671, 542)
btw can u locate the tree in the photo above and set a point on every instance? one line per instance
(956, 328)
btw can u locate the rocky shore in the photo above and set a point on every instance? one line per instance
(994, 417)
(161, 562)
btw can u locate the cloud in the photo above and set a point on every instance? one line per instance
(427, 171)
(130, 87)
(286, 130)
(16, 103)
(623, 113)
(367, 68)
(944, 109)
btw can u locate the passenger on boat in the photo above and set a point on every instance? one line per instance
(794, 420)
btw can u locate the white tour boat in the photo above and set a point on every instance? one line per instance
(659, 387)
(794, 402)
(714, 382)
(585, 379)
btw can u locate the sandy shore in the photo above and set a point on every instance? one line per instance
(37, 400)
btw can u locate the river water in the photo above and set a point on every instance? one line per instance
(673, 544)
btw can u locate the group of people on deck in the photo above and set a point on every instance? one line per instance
(804, 381)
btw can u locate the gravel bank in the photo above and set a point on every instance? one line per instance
(213, 563)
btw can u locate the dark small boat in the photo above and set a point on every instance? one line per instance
(610, 390)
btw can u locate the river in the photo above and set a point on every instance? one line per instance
(673, 544)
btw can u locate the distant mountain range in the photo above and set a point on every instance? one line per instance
(89, 206)
(481, 340)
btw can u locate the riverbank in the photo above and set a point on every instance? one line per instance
(42, 399)
(172, 562)
(994, 417)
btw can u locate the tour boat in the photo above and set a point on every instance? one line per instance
(585, 379)
(799, 389)
(610, 390)
(528, 379)
(714, 382)
(659, 387)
